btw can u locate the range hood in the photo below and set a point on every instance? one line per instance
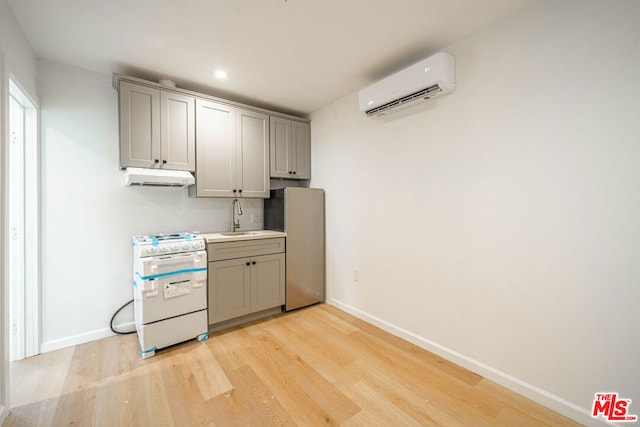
(158, 177)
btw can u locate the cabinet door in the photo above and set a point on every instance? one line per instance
(267, 281)
(301, 149)
(229, 284)
(280, 147)
(215, 149)
(177, 137)
(139, 125)
(253, 153)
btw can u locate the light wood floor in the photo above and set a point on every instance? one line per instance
(311, 367)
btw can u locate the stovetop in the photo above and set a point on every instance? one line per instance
(166, 243)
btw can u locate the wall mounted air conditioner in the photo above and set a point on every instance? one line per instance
(430, 78)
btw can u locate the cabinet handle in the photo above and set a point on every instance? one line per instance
(164, 162)
(254, 263)
(294, 172)
(234, 190)
(248, 263)
(239, 191)
(156, 161)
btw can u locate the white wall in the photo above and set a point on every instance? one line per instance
(500, 227)
(90, 216)
(18, 62)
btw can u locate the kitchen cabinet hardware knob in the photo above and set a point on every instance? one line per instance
(248, 263)
(294, 172)
(156, 161)
(164, 162)
(234, 190)
(240, 191)
(254, 263)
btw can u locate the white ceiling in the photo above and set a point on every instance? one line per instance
(290, 55)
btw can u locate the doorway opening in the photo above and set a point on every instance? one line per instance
(24, 225)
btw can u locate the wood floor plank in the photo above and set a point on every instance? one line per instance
(429, 406)
(229, 348)
(287, 389)
(209, 375)
(519, 407)
(336, 345)
(314, 366)
(53, 366)
(249, 403)
(37, 398)
(78, 393)
(183, 394)
(328, 360)
(325, 394)
(330, 321)
(113, 388)
(440, 363)
(379, 410)
(424, 376)
(149, 396)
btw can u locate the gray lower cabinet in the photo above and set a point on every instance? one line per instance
(242, 281)
(229, 289)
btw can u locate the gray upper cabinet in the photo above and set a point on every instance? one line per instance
(215, 149)
(232, 151)
(253, 153)
(301, 142)
(177, 131)
(157, 128)
(290, 149)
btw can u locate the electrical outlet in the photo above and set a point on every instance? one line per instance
(256, 218)
(355, 275)
(14, 329)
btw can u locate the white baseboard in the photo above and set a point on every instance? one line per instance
(543, 397)
(82, 338)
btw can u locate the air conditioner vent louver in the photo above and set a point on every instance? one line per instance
(421, 94)
(425, 80)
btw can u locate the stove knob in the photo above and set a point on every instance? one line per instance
(163, 248)
(151, 249)
(175, 247)
(186, 246)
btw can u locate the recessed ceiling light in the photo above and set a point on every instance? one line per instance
(220, 74)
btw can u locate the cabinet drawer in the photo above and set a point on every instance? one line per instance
(244, 248)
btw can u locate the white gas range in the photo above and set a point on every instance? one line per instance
(170, 289)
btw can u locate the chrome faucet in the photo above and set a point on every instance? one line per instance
(236, 222)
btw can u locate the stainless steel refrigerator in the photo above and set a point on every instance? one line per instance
(300, 213)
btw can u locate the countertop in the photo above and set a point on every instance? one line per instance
(224, 236)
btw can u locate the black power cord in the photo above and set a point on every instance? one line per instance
(114, 317)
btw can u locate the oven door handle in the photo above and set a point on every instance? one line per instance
(177, 258)
(170, 273)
